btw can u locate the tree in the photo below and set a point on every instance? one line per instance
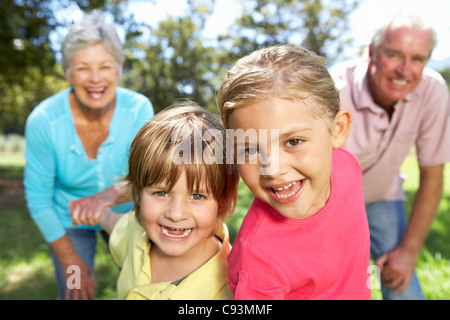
(173, 63)
(317, 25)
(29, 71)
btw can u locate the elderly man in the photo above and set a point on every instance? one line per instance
(397, 102)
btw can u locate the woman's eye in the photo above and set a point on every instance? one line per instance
(293, 142)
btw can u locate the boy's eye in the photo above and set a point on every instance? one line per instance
(160, 193)
(197, 196)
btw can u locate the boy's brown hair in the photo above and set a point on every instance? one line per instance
(183, 137)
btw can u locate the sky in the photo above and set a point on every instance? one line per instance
(362, 21)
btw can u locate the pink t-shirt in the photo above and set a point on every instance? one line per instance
(325, 256)
(381, 145)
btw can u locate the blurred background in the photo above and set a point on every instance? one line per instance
(178, 49)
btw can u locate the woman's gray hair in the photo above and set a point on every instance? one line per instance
(404, 18)
(91, 30)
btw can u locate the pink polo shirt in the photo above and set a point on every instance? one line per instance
(421, 119)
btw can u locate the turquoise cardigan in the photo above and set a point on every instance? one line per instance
(57, 169)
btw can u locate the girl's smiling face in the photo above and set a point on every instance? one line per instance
(179, 221)
(298, 185)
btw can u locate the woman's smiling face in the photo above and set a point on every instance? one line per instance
(94, 74)
(298, 185)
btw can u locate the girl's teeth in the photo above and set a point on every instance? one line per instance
(166, 231)
(286, 187)
(285, 195)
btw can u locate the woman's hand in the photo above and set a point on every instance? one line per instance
(88, 210)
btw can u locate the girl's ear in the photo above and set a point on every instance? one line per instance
(341, 128)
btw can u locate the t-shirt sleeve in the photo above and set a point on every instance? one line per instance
(252, 275)
(434, 131)
(118, 240)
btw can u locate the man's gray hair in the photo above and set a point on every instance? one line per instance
(404, 19)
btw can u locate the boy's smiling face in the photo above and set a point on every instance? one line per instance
(179, 222)
(299, 185)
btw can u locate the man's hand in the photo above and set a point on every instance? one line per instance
(397, 268)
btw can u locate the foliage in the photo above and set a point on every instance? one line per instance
(446, 75)
(174, 63)
(29, 72)
(167, 62)
(317, 25)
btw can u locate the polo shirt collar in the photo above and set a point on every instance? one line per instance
(214, 268)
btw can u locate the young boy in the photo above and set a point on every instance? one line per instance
(175, 244)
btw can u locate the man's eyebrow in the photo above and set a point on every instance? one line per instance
(416, 56)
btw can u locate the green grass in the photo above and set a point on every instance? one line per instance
(26, 270)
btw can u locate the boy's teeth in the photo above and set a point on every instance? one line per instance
(167, 231)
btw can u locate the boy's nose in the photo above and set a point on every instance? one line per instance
(177, 210)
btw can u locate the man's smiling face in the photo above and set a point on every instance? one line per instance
(395, 68)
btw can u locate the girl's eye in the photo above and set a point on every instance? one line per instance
(293, 142)
(160, 193)
(197, 196)
(250, 151)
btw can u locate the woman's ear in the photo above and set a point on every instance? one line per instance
(341, 128)
(67, 76)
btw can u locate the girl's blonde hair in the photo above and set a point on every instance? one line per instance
(284, 71)
(188, 132)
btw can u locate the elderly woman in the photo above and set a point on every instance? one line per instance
(78, 145)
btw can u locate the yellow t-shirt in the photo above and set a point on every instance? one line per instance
(130, 247)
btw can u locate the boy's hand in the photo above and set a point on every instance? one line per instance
(87, 210)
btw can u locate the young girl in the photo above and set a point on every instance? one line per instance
(305, 235)
(175, 244)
